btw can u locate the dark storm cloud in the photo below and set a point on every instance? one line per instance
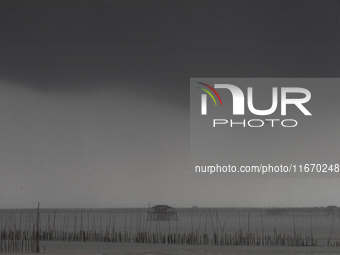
(118, 141)
(73, 45)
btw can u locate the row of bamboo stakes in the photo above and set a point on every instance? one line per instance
(25, 239)
(26, 242)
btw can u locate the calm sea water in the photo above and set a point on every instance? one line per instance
(324, 223)
(153, 249)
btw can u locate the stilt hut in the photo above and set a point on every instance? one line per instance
(162, 212)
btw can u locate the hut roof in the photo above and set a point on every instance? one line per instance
(161, 206)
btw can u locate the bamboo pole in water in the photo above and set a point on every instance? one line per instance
(124, 226)
(137, 222)
(140, 222)
(176, 227)
(146, 223)
(29, 228)
(199, 223)
(311, 230)
(192, 229)
(216, 241)
(159, 229)
(150, 223)
(330, 235)
(109, 228)
(20, 222)
(114, 224)
(68, 220)
(14, 237)
(64, 225)
(94, 226)
(75, 227)
(54, 217)
(48, 227)
(130, 224)
(294, 228)
(212, 223)
(169, 227)
(222, 228)
(262, 243)
(248, 229)
(205, 228)
(81, 225)
(37, 235)
(100, 224)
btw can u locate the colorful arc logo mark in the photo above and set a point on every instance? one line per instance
(204, 97)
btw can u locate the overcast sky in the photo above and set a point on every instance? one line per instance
(94, 96)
